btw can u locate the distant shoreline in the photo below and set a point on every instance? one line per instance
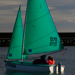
(67, 38)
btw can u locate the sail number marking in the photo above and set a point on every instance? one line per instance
(53, 41)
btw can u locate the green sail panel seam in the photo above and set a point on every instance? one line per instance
(42, 46)
(16, 47)
(38, 18)
(41, 38)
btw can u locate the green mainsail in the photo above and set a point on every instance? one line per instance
(40, 34)
(15, 48)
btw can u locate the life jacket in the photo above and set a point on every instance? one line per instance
(50, 62)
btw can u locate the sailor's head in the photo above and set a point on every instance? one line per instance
(43, 57)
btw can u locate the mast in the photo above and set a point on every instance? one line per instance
(24, 31)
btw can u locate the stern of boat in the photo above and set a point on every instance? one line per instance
(57, 68)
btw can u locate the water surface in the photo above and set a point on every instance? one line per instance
(68, 60)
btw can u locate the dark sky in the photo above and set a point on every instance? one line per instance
(62, 12)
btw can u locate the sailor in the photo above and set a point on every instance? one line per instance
(42, 60)
(50, 60)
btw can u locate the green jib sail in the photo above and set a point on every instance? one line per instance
(40, 35)
(15, 49)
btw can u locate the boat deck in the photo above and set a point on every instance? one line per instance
(27, 63)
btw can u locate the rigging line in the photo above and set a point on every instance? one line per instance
(38, 18)
(46, 54)
(41, 46)
(41, 38)
(18, 26)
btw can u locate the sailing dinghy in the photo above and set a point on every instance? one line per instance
(39, 36)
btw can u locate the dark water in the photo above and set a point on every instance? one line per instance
(68, 60)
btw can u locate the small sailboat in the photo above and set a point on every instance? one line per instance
(39, 36)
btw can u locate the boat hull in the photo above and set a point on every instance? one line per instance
(28, 67)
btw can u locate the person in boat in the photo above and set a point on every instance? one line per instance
(50, 60)
(42, 60)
